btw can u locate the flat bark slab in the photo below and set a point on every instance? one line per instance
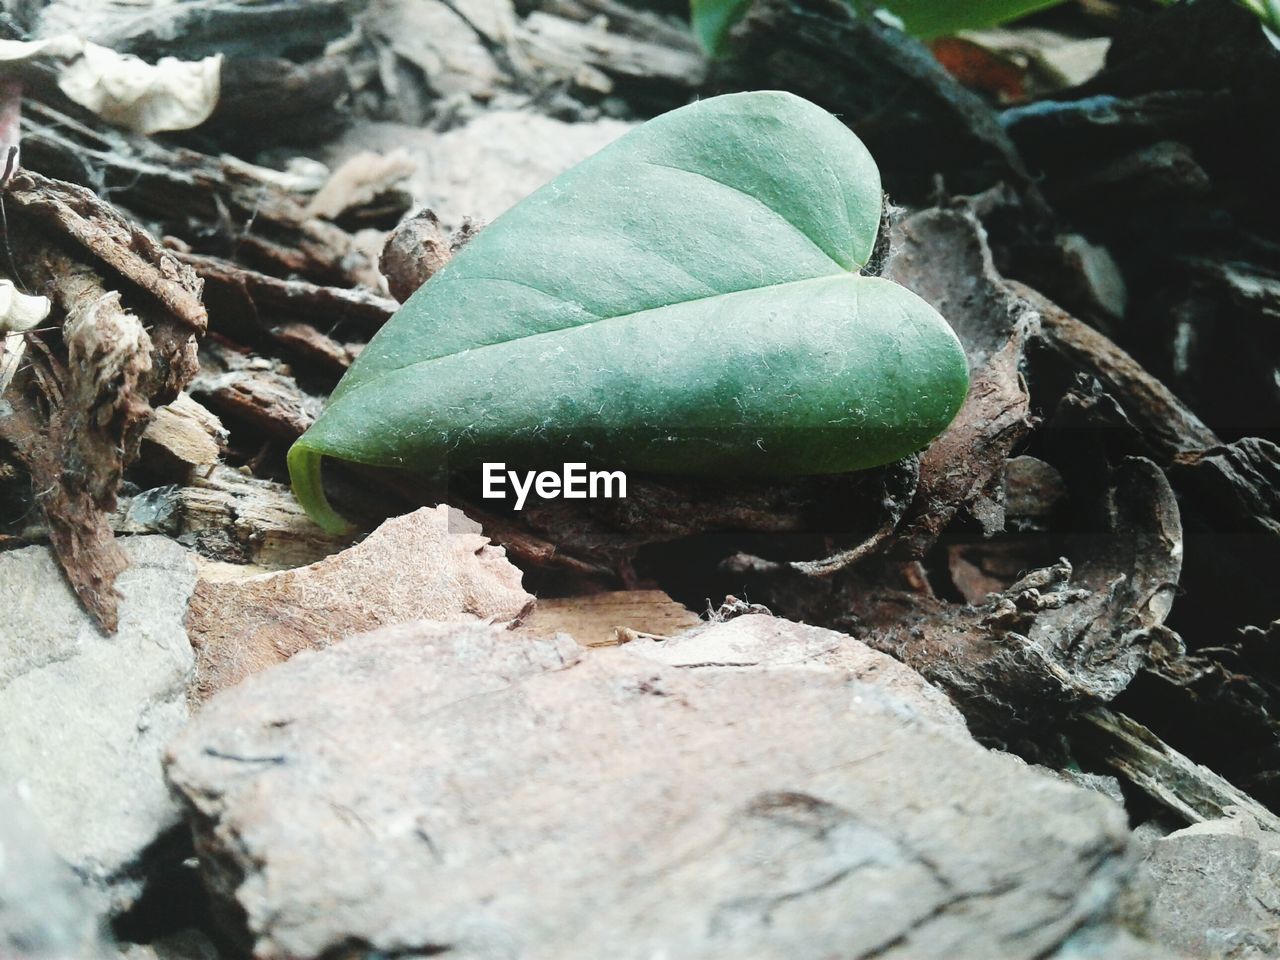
(494, 796)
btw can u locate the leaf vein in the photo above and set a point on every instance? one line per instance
(751, 196)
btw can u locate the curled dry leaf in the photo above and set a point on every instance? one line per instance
(18, 314)
(426, 565)
(942, 255)
(123, 89)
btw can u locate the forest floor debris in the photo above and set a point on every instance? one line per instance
(1079, 571)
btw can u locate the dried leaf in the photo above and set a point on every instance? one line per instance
(123, 89)
(18, 313)
(942, 255)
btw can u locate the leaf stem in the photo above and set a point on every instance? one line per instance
(308, 488)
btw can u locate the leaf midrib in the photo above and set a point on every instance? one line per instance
(618, 316)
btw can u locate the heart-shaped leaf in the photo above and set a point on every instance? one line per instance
(685, 301)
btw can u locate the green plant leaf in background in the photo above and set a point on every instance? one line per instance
(926, 19)
(712, 20)
(1268, 11)
(929, 19)
(688, 300)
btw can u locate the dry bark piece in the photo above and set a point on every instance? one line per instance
(1132, 572)
(322, 350)
(184, 434)
(1058, 638)
(233, 517)
(255, 390)
(271, 300)
(1232, 496)
(109, 237)
(1230, 678)
(77, 424)
(77, 461)
(1214, 323)
(1193, 792)
(1168, 427)
(607, 619)
(426, 565)
(594, 55)
(1215, 889)
(181, 30)
(1232, 685)
(213, 203)
(755, 639)
(444, 44)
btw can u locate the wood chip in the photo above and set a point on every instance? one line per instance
(432, 564)
(185, 433)
(607, 619)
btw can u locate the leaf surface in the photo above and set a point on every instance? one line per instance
(687, 300)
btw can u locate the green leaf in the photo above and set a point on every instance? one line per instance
(928, 19)
(712, 19)
(686, 301)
